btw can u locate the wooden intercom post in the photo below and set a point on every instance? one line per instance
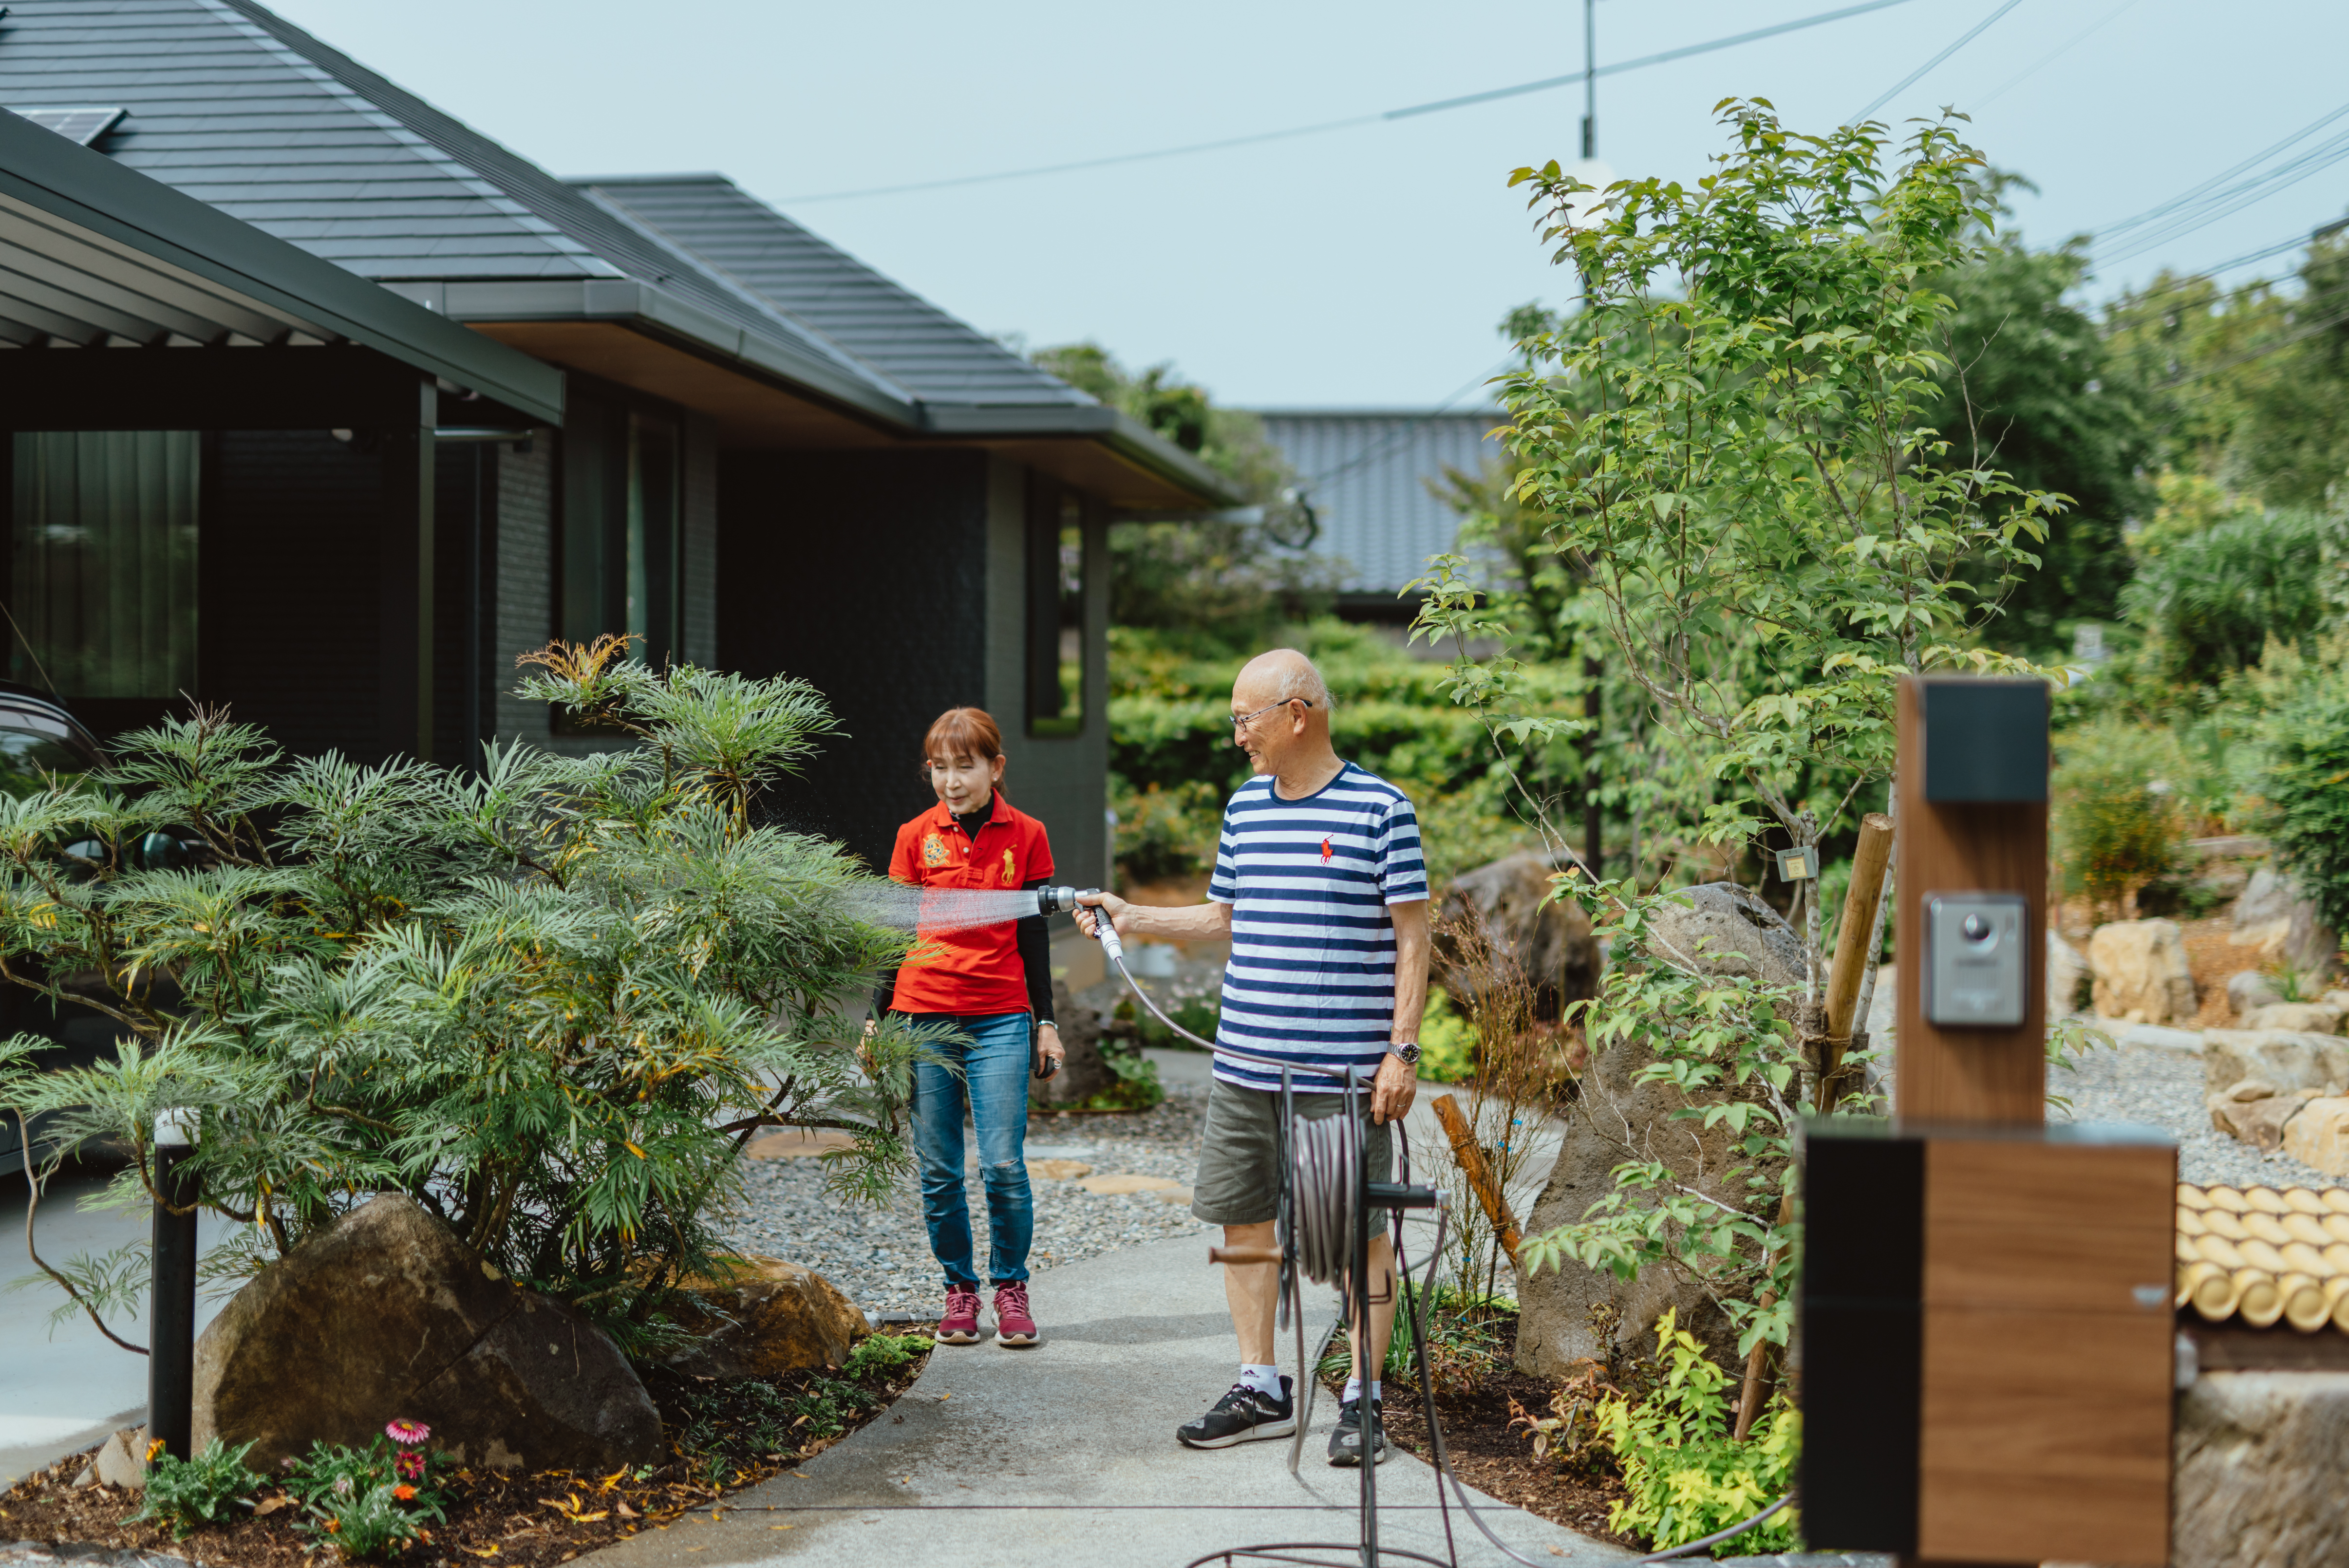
(1987, 1319)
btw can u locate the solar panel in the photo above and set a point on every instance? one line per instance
(80, 125)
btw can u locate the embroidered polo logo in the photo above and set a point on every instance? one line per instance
(933, 849)
(1010, 875)
(1324, 851)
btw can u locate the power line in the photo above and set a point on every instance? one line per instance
(1913, 78)
(1351, 122)
(2162, 208)
(2053, 54)
(2229, 200)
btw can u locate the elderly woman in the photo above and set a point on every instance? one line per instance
(994, 982)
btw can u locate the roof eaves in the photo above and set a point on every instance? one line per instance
(92, 191)
(1120, 432)
(660, 314)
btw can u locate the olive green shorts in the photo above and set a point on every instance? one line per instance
(1238, 1181)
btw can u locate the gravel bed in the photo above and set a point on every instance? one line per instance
(881, 1257)
(2163, 1088)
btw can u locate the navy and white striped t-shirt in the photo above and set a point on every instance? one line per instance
(1312, 971)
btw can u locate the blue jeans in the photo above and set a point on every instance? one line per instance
(994, 1084)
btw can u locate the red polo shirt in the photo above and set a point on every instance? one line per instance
(975, 971)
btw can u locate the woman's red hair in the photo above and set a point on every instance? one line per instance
(963, 732)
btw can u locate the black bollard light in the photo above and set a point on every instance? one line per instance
(171, 1319)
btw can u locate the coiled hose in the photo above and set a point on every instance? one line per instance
(1320, 1209)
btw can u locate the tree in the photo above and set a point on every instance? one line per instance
(550, 1001)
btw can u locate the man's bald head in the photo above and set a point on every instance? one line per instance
(1283, 674)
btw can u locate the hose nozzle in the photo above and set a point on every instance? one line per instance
(1063, 901)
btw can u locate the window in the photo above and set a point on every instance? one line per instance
(1056, 610)
(620, 533)
(103, 563)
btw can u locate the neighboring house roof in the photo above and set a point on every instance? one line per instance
(237, 106)
(99, 255)
(1366, 472)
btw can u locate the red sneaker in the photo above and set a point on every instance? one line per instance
(960, 1325)
(1013, 1326)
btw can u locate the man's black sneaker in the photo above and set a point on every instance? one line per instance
(1242, 1416)
(1346, 1440)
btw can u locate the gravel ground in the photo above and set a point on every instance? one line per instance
(2157, 1087)
(881, 1258)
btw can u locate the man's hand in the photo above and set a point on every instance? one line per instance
(1394, 1089)
(1121, 914)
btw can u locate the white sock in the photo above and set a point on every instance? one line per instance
(1265, 1380)
(1354, 1389)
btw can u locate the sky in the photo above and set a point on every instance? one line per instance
(1359, 267)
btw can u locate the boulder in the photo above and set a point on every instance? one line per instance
(2257, 1477)
(1574, 1312)
(122, 1460)
(1727, 930)
(2281, 1058)
(2301, 1017)
(2319, 1136)
(2261, 1122)
(2068, 977)
(1552, 943)
(1086, 1072)
(2276, 917)
(766, 1316)
(2142, 976)
(2250, 991)
(385, 1314)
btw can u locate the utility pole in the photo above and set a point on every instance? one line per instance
(1593, 845)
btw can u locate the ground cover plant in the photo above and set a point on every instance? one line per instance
(550, 1000)
(723, 1435)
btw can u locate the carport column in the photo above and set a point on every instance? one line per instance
(405, 704)
(171, 1315)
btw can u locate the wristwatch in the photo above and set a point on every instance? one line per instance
(1408, 1050)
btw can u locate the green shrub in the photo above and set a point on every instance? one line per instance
(1165, 832)
(368, 1521)
(1685, 1476)
(2117, 822)
(363, 1501)
(1447, 1042)
(185, 1493)
(2211, 600)
(881, 1355)
(2307, 787)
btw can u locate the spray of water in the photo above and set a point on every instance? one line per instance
(931, 910)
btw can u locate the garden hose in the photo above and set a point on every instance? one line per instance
(1323, 1217)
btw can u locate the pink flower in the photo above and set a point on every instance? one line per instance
(409, 1466)
(407, 1433)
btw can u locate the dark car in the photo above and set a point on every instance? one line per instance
(39, 737)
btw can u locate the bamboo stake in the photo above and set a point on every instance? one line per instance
(1852, 958)
(1480, 1175)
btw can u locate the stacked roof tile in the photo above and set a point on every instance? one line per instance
(2261, 1255)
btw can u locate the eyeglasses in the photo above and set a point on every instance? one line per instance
(1240, 722)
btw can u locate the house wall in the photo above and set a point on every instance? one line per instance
(1061, 780)
(866, 573)
(701, 523)
(521, 574)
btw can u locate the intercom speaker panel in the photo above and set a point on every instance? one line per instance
(1978, 959)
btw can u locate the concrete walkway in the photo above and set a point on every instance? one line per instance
(1066, 1454)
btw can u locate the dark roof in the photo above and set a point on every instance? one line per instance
(898, 332)
(1366, 473)
(240, 108)
(100, 254)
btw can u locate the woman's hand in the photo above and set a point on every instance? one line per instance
(1121, 914)
(1048, 1046)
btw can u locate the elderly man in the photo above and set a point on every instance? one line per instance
(1320, 886)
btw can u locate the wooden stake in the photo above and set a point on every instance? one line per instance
(1480, 1175)
(1852, 957)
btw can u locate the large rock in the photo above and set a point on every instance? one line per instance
(2257, 1482)
(1086, 1072)
(2319, 1136)
(2068, 977)
(2283, 1059)
(1574, 1312)
(2276, 917)
(386, 1315)
(2142, 976)
(2302, 1018)
(1552, 943)
(766, 1316)
(2250, 991)
(2263, 1121)
(1727, 929)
